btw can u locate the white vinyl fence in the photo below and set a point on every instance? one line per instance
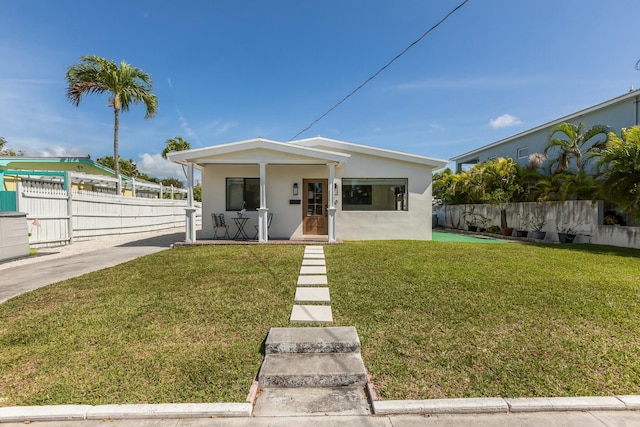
(58, 217)
(582, 216)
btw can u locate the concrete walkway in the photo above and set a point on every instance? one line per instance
(56, 264)
(312, 294)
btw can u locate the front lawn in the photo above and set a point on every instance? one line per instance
(435, 320)
(183, 325)
(470, 320)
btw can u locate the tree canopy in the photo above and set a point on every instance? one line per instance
(127, 85)
(5, 151)
(175, 144)
(619, 163)
(575, 142)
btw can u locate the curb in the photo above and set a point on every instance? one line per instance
(489, 405)
(13, 414)
(493, 405)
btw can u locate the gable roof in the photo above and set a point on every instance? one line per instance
(567, 118)
(372, 151)
(257, 149)
(311, 150)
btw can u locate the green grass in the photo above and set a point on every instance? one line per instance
(182, 325)
(435, 320)
(467, 320)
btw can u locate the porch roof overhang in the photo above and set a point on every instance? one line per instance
(255, 151)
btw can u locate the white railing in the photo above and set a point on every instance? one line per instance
(58, 217)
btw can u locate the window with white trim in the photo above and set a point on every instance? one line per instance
(523, 153)
(375, 194)
(242, 193)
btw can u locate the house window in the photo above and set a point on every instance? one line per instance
(374, 194)
(523, 152)
(243, 193)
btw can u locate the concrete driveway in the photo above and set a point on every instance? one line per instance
(56, 264)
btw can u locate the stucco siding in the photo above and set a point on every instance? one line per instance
(616, 115)
(350, 225)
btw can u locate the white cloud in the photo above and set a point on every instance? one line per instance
(157, 167)
(504, 121)
(217, 128)
(59, 151)
(185, 126)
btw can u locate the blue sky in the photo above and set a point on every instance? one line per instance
(231, 70)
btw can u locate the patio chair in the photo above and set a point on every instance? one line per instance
(269, 218)
(218, 223)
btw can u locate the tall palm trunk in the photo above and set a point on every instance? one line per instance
(116, 159)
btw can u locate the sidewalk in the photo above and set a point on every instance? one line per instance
(547, 419)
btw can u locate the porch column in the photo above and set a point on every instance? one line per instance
(263, 235)
(190, 228)
(332, 207)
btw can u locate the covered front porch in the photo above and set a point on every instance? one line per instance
(248, 182)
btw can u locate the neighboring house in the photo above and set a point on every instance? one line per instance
(84, 173)
(617, 113)
(315, 188)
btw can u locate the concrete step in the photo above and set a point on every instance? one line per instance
(313, 269)
(312, 281)
(312, 370)
(334, 339)
(311, 314)
(318, 401)
(312, 295)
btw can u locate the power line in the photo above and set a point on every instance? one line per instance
(381, 69)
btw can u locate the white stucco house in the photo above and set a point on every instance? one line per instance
(314, 188)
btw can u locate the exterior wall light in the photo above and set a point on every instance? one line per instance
(295, 188)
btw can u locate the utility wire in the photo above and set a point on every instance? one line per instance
(380, 70)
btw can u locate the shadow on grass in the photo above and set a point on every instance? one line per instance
(592, 249)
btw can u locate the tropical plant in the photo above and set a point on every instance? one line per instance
(500, 179)
(197, 193)
(127, 167)
(619, 166)
(126, 85)
(574, 142)
(175, 144)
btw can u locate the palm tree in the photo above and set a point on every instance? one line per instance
(572, 142)
(619, 162)
(126, 84)
(175, 144)
(501, 181)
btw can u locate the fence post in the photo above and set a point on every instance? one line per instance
(68, 188)
(18, 192)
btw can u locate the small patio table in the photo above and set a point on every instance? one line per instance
(240, 234)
